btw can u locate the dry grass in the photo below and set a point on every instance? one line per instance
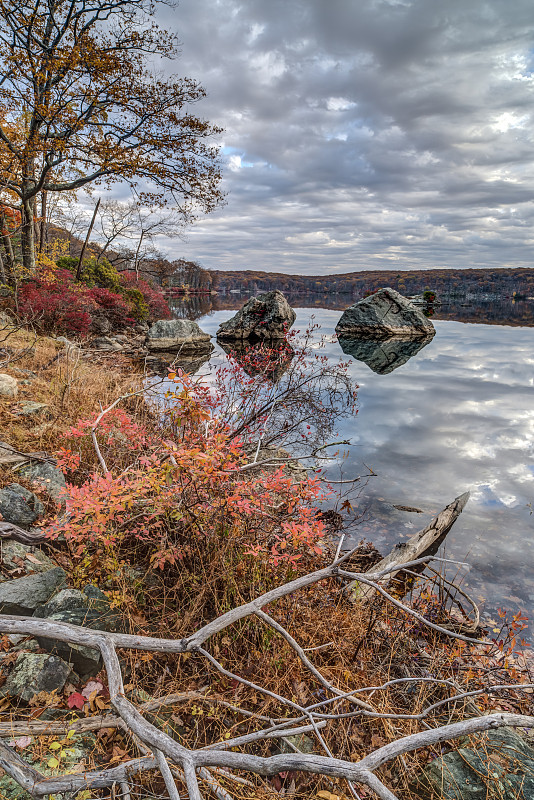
(352, 646)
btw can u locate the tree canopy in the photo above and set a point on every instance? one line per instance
(81, 103)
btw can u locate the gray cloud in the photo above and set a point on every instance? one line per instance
(364, 135)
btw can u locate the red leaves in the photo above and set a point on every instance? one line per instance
(76, 700)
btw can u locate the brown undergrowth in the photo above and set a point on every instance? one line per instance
(223, 556)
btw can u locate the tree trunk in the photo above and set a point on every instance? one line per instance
(79, 269)
(27, 238)
(42, 227)
(9, 261)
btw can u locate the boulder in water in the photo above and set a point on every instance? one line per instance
(265, 317)
(384, 313)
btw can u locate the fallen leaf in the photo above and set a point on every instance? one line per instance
(92, 686)
(76, 700)
(22, 742)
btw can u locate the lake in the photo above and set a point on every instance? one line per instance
(457, 415)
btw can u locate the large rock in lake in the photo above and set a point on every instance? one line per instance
(178, 336)
(267, 316)
(384, 313)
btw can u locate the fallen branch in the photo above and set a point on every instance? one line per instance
(420, 545)
(163, 752)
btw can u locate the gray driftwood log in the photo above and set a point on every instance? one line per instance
(421, 545)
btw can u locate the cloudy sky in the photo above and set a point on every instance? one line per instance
(365, 134)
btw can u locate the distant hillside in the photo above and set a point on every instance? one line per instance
(451, 283)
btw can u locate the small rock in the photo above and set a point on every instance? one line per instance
(267, 317)
(20, 506)
(303, 743)
(100, 324)
(9, 387)
(74, 758)
(33, 559)
(90, 609)
(105, 343)
(34, 673)
(5, 320)
(9, 456)
(497, 764)
(21, 596)
(31, 407)
(48, 477)
(178, 336)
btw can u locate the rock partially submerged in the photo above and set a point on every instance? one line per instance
(267, 317)
(178, 336)
(384, 313)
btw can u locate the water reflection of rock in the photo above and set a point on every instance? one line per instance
(383, 355)
(161, 363)
(259, 359)
(191, 306)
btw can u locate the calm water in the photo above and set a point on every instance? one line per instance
(458, 415)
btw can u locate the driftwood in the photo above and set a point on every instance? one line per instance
(421, 545)
(10, 531)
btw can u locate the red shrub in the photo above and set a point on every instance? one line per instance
(116, 308)
(57, 305)
(156, 303)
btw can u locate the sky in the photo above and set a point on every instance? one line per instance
(364, 134)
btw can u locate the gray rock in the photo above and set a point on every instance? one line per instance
(21, 596)
(105, 343)
(31, 407)
(74, 756)
(9, 387)
(384, 355)
(178, 336)
(498, 764)
(100, 324)
(20, 506)
(34, 673)
(33, 560)
(5, 320)
(48, 477)
(303, 743)
(383, 314)
(90, 609)
(267, 316)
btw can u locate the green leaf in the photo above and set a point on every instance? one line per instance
(55, 746)
(53, 763)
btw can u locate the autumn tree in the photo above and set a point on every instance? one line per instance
(81, 103)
